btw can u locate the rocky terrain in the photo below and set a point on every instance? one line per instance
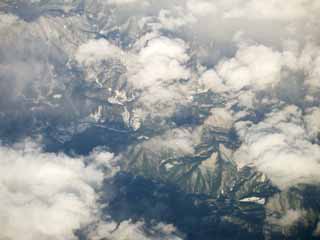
(82, 75)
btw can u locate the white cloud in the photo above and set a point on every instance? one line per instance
(279, 147)
(253, 66)
(310, 59)
(162, 60)
(45, 196)
(180, 141)
(210, 80)
(312, 120)
(97, 50)
(161, 64)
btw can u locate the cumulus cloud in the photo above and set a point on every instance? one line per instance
(210, 80)
(46, 196)
(310, 62)
(256, 68)
(279, 147)
(180, 141)
(162, 60)
(311, 118)
(253, 66)
(94, 51)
